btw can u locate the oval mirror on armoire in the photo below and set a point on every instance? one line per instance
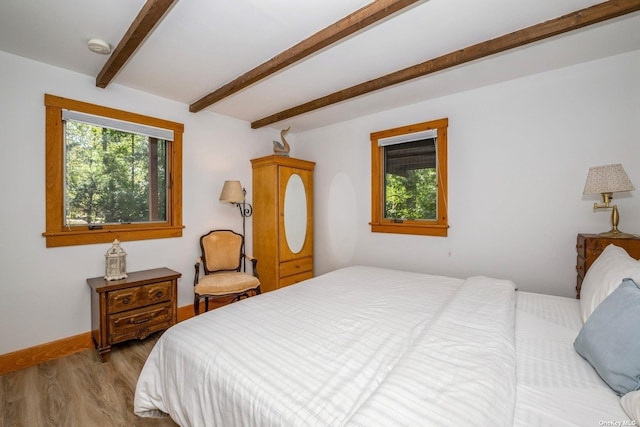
(295, 213)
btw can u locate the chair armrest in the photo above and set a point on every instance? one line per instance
(197, 268)
(254, 264)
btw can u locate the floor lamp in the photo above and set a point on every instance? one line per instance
(234, 193)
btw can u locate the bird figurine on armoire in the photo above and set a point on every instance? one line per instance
(282, 149)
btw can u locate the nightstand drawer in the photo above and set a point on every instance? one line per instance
(297, 266)
(140, 323)
(140, 296)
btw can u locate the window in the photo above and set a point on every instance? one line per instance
(409, 179)
(110, 175)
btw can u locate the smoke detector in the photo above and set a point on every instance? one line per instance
(99, 46)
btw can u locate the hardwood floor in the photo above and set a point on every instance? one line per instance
(78, 390)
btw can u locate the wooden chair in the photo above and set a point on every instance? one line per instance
(221, 259)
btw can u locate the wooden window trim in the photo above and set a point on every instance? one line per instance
(57, 234)
(378, 223)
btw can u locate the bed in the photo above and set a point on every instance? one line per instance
(366, 346)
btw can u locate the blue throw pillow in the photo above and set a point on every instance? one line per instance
(610, 338)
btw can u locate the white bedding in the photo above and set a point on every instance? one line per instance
(362, 346)
(556, 385)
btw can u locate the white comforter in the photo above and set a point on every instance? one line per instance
(359, 346)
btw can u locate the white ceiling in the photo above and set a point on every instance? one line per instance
(202, 44)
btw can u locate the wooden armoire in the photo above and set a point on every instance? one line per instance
(282, 220)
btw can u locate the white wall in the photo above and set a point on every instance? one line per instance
(519, 153)
(44, 295)
(518, 158)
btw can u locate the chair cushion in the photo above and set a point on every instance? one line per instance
(226, 283)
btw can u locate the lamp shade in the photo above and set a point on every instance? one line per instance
(232, 192)
(607, 179)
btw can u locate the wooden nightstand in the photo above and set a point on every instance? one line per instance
(132, 308)
(589, 246)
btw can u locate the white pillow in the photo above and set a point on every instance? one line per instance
(631, 404)
(604, 276)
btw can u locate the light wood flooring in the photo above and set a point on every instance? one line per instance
(78, 390)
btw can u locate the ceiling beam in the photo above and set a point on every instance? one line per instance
(150, 14)
(572, 21)
(352, 23)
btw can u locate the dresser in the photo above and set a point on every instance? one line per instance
(282, 220)
(132, 308)
(589, 246)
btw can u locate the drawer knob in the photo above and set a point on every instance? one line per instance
(159, 294)
(126, 300)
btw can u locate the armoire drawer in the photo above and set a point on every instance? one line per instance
(290, 280)
(297, 266)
